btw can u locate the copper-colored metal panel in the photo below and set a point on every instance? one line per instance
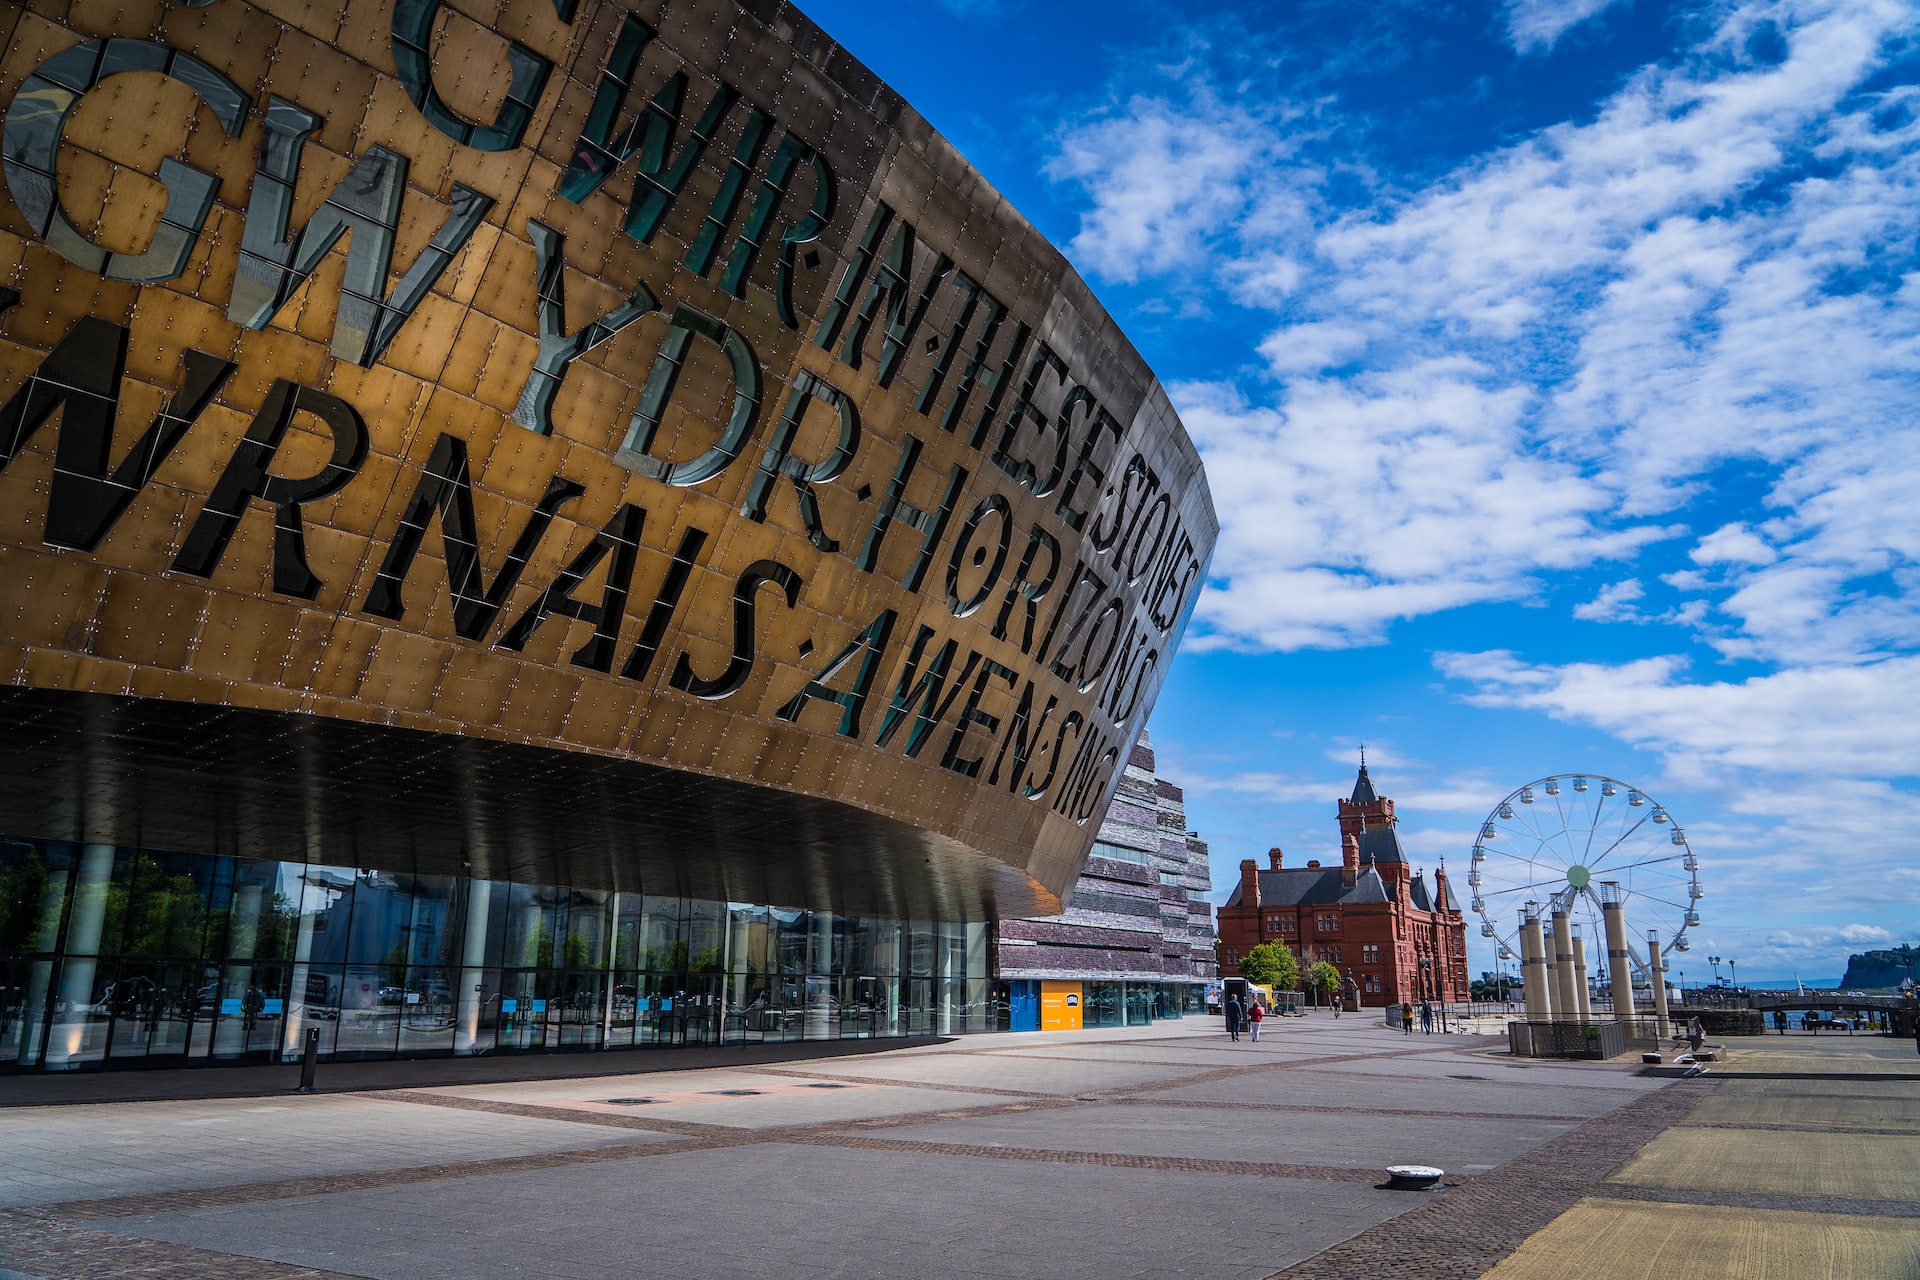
(796, 482)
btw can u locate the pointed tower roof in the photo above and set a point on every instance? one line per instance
(1363, 786)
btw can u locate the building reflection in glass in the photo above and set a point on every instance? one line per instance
(113, 956)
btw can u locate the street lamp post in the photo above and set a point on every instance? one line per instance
(1715, 962)
(1733, 973)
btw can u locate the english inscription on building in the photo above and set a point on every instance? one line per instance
(644, 380)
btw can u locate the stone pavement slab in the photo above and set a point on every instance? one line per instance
(1349, 1141)
(1771, 1162)
(58, 1154)
(730, 1098)
(1001, 1072)
(1736, 1105)
(1486, 1091)
(1602, 1239)
(801, 1211)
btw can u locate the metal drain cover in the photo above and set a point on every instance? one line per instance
(735, 1093)
(824, 1085)
(631, 1102)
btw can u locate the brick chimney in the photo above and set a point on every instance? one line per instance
(1442, 900)
(1249, 883)
(1273, 858)
(1350, 861)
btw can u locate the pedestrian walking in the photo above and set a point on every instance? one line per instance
(1233, 1010)
(1426, 1017)
(1256, 1014)
(1406, 1018)
(1696, 1036)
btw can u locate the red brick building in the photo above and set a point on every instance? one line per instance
(1372, 915)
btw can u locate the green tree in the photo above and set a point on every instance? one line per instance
(1271, 965)
(1323, 979)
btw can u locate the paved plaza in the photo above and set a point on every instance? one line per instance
(1145, 1152)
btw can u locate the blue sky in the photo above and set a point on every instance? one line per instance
(1555, 363)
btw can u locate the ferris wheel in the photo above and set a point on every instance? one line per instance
(1562, 842)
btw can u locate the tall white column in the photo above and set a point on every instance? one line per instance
(1533, 967)
(1658, 972)
(1566, 1005)
(473, 969)
(819, 986)
(1620, 964)
(81, 966)
(1582, 997)
(313, 899)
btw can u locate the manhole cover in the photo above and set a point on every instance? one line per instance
(829, 1086)
(735, 1093)
(1452, 1077)
(631, 1102)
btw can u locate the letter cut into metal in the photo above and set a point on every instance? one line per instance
(30, 143)
(894, 505)
(920, 691)
(778, 461)
(248, 476)
(599, 151)
(558, 349)
(791, 154)
(413, 57)
(891, 291)
(871, 646)
(81, 377)
(620, 539)
(365, 203)
(446, 486)
(971, 714)
(658, 392)
(729, 682)
(672, 587)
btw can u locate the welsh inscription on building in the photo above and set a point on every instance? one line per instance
(637, 379)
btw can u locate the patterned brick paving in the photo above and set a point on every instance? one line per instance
(1177, 1164)
(41, 1247)
(1464, 1232)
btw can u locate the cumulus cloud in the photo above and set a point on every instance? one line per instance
(1864, 933)
(1541, 358)
(1823, 722)
(1613, 604)
(1733, 544)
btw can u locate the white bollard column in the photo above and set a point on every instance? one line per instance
(1566, 1005)
(1582, 997)
(1620, 964)
(1533, 963)
(1658, 971)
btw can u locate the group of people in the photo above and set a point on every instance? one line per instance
(1426, 1017)
(1249, 1015)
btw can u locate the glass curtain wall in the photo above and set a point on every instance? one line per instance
(114, 957)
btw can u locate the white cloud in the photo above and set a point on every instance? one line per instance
(1823, 723)
(1534, 26)
(1733, 544)
(1864, 933)
(1168, 183)
(1613, 604)
(1524, 365)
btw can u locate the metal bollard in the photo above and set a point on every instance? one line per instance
(310, 1062)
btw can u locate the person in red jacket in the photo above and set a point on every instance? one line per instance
(1256, 1014)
